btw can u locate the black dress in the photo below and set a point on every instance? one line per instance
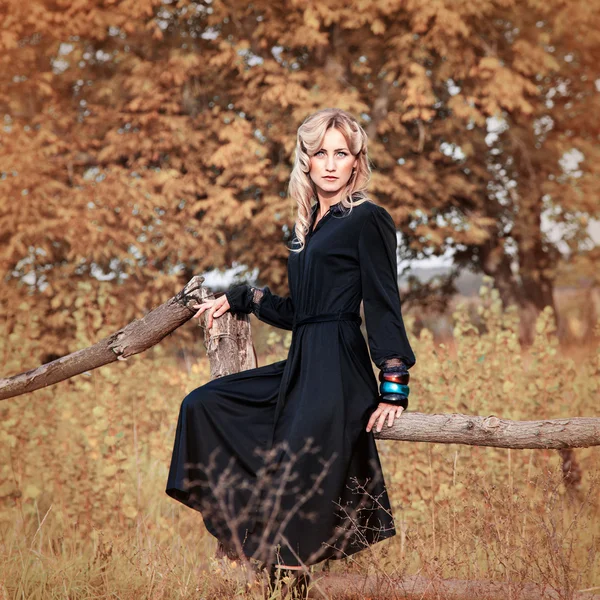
(277, 458)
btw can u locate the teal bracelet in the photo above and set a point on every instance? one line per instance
(389, 387)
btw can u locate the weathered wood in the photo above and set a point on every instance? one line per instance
(573, 432)
(229, 345)
(142, 334)
(346, 586)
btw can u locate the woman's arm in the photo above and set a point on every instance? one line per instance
(266, 306)
(387, 336)
(388, 342)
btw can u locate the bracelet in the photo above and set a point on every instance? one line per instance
(390, 387)
(394, 378)
(397, 377)
(394, 370)
(396, 399)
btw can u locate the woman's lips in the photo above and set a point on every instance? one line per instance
(330, 178)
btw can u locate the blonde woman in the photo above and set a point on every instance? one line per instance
(281, 459)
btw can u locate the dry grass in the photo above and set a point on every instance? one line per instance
(83, 467)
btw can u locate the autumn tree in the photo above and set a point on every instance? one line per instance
(147, 141)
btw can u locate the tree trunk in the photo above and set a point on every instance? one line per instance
(494, 262)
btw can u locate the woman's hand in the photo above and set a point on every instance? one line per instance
(383, 411)
(216, 308)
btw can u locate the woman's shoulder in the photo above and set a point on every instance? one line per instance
(370, 210)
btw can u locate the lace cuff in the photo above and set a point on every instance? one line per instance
(257, 296)
(244, 299)
(393, 364)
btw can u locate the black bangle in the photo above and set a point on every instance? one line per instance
(395, 399)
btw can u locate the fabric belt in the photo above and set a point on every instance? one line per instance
(323, 317)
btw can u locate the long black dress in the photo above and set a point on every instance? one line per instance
(277, 458)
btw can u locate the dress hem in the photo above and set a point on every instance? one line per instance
(332, 553)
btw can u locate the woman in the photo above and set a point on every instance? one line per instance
(281, 459)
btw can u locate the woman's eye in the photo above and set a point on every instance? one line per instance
(342, 153)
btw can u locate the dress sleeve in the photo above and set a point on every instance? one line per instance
(266, 306)
(388, 342)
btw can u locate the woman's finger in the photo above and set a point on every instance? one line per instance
(221, 309)
(216, 308)
(391, 417)
(382, 418)
(211, 311)
(396, 412)
(383, 411)
(204, 306)
(373, 418)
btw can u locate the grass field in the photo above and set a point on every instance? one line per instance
(83, 467)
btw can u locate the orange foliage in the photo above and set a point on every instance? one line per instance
(147, 141)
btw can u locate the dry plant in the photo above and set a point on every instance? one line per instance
(277, 485)
(83, 467)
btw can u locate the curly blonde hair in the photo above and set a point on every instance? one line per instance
(310, 137)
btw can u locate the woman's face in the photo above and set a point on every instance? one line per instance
(331, 166)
